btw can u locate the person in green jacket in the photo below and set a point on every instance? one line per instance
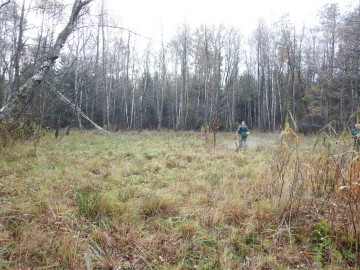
(243, 131)
(356, 136)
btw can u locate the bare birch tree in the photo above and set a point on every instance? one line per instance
(15, 102)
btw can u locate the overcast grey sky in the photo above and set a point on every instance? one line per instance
(146, 17)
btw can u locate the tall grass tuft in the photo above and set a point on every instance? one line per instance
(155, 205)
(88, 201)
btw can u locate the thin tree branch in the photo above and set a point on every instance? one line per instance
(345, 69)
(117, 27)
(5, 3)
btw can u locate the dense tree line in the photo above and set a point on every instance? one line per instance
(121, 80)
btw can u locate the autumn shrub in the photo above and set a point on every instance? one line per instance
(322, 178)
(20, 129)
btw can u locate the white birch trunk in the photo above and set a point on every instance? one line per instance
(15, 102)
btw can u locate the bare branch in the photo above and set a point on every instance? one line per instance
(117, 27)
(3, 4)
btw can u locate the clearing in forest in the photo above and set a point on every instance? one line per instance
(169, 200)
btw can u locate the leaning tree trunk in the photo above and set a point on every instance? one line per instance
(77, 110)
(16, 102)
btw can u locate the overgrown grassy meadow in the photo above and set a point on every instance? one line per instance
(171, 200)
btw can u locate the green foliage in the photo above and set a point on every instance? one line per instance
(348, 255)
(322, 241)
(250, 239)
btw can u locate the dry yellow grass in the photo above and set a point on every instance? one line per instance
(166, 200)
